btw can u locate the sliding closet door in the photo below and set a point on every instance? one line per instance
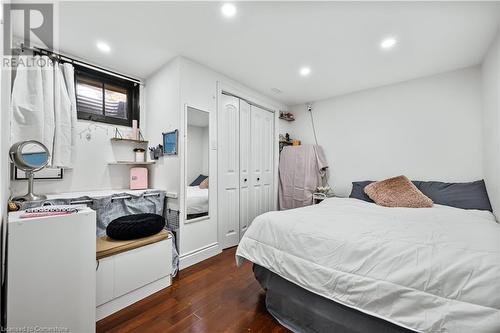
(228, 171)
(245, 144)
(262, 129)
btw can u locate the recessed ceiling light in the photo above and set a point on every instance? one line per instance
(388, 43)
(103, 47)
(305, 71)
(228, 9)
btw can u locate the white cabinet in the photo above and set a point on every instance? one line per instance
(128, 277)
(245, 166)
(51, 271)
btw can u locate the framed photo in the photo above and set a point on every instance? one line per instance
(170, 142)
(46, 173)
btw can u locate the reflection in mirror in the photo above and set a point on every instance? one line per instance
(197, 164)
(34, 155)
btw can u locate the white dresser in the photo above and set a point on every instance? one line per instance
(51, 272)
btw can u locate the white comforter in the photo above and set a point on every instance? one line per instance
(196, 200)
(429, 269)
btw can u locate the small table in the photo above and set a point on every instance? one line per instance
(319, 197)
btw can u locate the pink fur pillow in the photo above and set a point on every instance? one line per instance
(397, 192)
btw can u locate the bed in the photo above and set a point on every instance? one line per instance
(196, 202)
(426, 270)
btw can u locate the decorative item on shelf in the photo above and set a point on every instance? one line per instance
(285, 140)
(170, 142)
(140, 155)
(288, 116)
(156, 152)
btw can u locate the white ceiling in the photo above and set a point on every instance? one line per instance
(267, 42)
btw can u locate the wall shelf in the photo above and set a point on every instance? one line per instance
(131, 163)
(129, 140)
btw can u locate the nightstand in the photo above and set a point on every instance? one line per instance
(318, 197)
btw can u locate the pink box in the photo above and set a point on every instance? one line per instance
(138, 178)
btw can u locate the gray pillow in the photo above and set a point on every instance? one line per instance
(471, 195)
(358, 190)
(198, 180)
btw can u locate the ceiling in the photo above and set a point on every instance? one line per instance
(266, 43)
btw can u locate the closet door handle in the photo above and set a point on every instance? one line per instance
(245, 180)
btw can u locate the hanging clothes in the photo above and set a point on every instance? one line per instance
(301, 170)
(44, 107)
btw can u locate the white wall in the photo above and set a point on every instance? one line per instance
(197, 152)
(491, 123)
(91, 170)
(162, 101)
(427, 129)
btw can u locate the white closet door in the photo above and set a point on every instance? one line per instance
(245, 144)
(267, 152)
(262, 129)
(228, 171)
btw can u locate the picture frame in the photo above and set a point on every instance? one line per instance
(44, 174)
(170, 142)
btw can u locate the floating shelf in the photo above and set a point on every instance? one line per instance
(130, 140)
(131, 163)
(287, 119)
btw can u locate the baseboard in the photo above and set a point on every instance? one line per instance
(106, 309)
(199, 255)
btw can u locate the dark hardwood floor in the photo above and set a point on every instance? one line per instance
(212, 296)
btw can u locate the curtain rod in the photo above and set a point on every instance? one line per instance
(78, 62)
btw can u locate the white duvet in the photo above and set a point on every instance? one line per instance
(196, 200)
(428, 269)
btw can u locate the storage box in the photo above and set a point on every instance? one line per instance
(138, 178)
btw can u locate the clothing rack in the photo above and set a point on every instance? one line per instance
(64, 58)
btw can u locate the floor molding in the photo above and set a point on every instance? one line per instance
(199, 255)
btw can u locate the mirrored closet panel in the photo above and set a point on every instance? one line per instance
(197, 164)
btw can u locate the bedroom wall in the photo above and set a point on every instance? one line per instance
(491, 123)
(162, 101)
(429, 129)
(91, 170)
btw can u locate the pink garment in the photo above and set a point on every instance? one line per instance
(301, 170)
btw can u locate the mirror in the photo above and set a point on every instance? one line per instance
(197, 164)
(29, 156)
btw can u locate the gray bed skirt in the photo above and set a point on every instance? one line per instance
(303, 311)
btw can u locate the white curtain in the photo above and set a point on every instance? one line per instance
(44, 107)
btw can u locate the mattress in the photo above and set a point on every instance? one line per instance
(196, 200)
(427, 269)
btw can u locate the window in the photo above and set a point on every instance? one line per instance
(105, 98)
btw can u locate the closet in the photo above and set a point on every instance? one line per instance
(245, 166)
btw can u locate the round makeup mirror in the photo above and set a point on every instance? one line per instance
(30, 156)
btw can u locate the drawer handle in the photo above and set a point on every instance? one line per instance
(245, 180)
(258, 179)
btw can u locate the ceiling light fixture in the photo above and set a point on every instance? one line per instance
(103, 47)
(305, 71)
(228, 10)
(388, 43)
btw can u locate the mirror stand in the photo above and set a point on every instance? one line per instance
(30, 196)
